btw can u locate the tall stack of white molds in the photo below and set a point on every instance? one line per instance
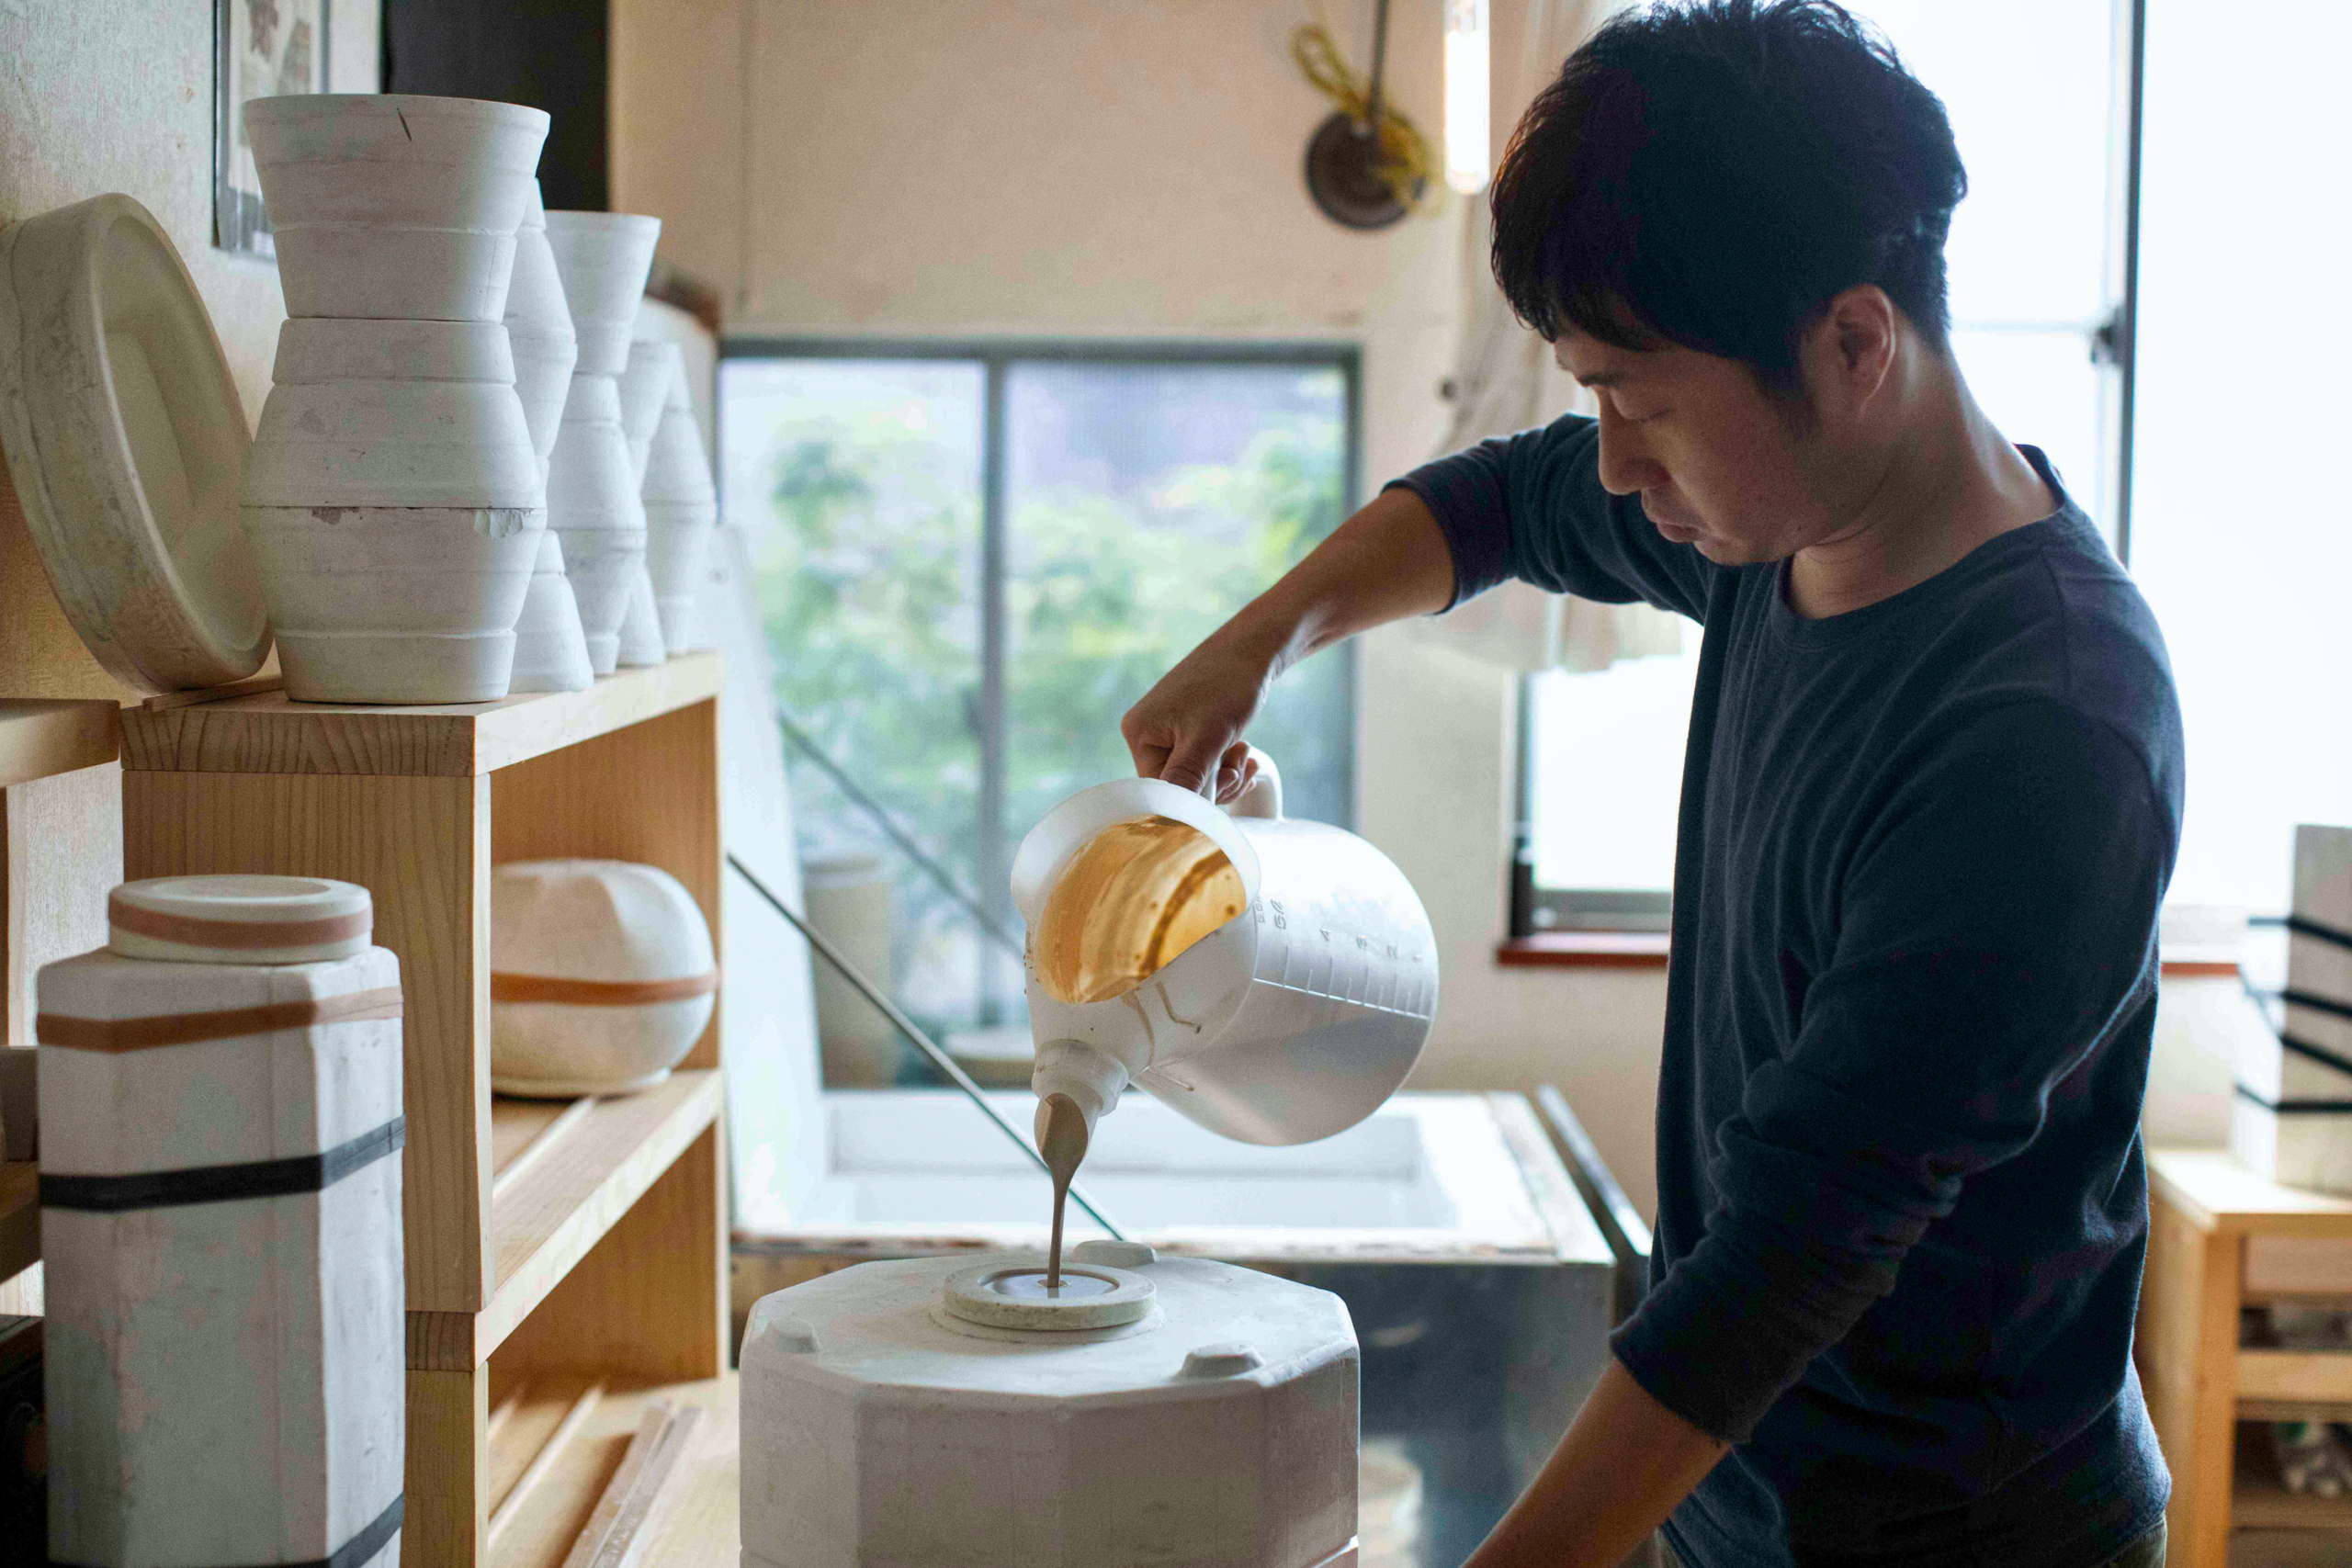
(221, 1221)
(2292, 1117)
(1216, 1431)
(394, 493)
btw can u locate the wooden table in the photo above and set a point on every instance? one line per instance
(2206, 1211)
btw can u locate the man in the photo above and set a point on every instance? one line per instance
(1930, 805)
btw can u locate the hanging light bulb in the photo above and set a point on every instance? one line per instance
(1466, 154)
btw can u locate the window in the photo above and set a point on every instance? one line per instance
(974, 559)
(2035, 264)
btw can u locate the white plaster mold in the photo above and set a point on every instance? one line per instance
(393, 204)
(551, 651)
(593, 505)
(395, 604)
(126, 441)
(640, 645)
(681, 511)
(248, 920)
(605, 259)
(225, 1348)
(538, 324)
(645, 389)
(1223, 1436)
(2283, 1119)
(603, 975)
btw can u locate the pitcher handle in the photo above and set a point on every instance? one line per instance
(1264, 797)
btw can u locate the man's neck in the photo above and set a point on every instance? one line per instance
(1947, 483)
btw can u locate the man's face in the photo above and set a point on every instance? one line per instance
(1715, 459)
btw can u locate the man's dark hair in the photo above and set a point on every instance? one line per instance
(1712, 174)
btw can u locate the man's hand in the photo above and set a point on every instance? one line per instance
(1385, 563)
(1187, 730)
(1624, 1464)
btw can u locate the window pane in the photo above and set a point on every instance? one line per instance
(857, 482)
(2042, 389)
(2239, 528)
(2027, 84)
(1608, 772)
(1149, 501)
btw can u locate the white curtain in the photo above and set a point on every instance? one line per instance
(1504, 380)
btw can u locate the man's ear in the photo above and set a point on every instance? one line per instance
(1851, 348)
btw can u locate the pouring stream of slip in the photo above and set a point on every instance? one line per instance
(1061, 1138)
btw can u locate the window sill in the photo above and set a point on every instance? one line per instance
(1584, 950)
(1647, 949)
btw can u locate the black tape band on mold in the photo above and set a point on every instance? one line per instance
(223, 1183)
(362, 1548)
(2296, 1107)
(2328, 1005)
(2303, 925)
(2319, 1054)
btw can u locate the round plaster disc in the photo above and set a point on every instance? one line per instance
(127, 442)
(1010, 1294)
(239, 920)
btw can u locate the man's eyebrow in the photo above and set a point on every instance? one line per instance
(1599, 378)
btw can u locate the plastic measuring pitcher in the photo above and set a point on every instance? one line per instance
(1292, 1020)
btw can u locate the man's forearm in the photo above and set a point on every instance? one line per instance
(1386, 563)
(1625, 1462)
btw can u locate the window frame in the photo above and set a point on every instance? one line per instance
(997, 356)
(1535, 913)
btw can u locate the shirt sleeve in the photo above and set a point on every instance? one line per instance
(1994, 930)
(1532, 506)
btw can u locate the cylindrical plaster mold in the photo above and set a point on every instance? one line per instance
(880, 1426)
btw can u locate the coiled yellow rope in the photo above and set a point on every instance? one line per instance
(1406, 164)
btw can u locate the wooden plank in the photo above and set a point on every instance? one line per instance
(421, 847)
(618, 1531)
(513, 1498)
(19, 1217)
(2186, 1347)
(448, 1418)
(2218, 1192)
(44, 736)
(701, 1528)
(513, 1162)
(545, 1224)
(251, 686)
(2295, 1374)
(63, 854)
(1576, 1238)
(2298, 1266)
(271, 733)
(649, 1301)
(514, 1124)
(647, 793)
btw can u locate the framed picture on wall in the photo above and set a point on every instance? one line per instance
(260, 48)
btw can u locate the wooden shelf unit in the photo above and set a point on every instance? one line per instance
(2204, 1209)
(575, 1455)
(19, 1217)
(611, 1218)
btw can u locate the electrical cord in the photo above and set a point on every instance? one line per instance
(1406, 164)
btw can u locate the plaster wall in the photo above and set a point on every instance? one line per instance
(100, 97)
(1073, 168)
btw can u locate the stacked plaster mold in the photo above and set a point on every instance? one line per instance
(603, 259)
(395, 498)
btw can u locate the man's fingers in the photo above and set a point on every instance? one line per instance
(1235, 770)
(1191, 764)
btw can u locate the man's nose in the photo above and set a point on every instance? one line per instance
(1626, 466)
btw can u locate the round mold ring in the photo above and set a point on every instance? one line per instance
(975, 1295)
(239, 920)
(127, 442)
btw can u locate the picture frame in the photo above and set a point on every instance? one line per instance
(260, 48)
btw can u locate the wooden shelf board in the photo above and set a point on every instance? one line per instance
(2216, 1193)
(2319, 1376)
(2259, 1500)
(40, 736)
(571, 1194)
(271, 733)
(19, 1216)
(701, 1527)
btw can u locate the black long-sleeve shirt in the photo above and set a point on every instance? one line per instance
(1902, 1207)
